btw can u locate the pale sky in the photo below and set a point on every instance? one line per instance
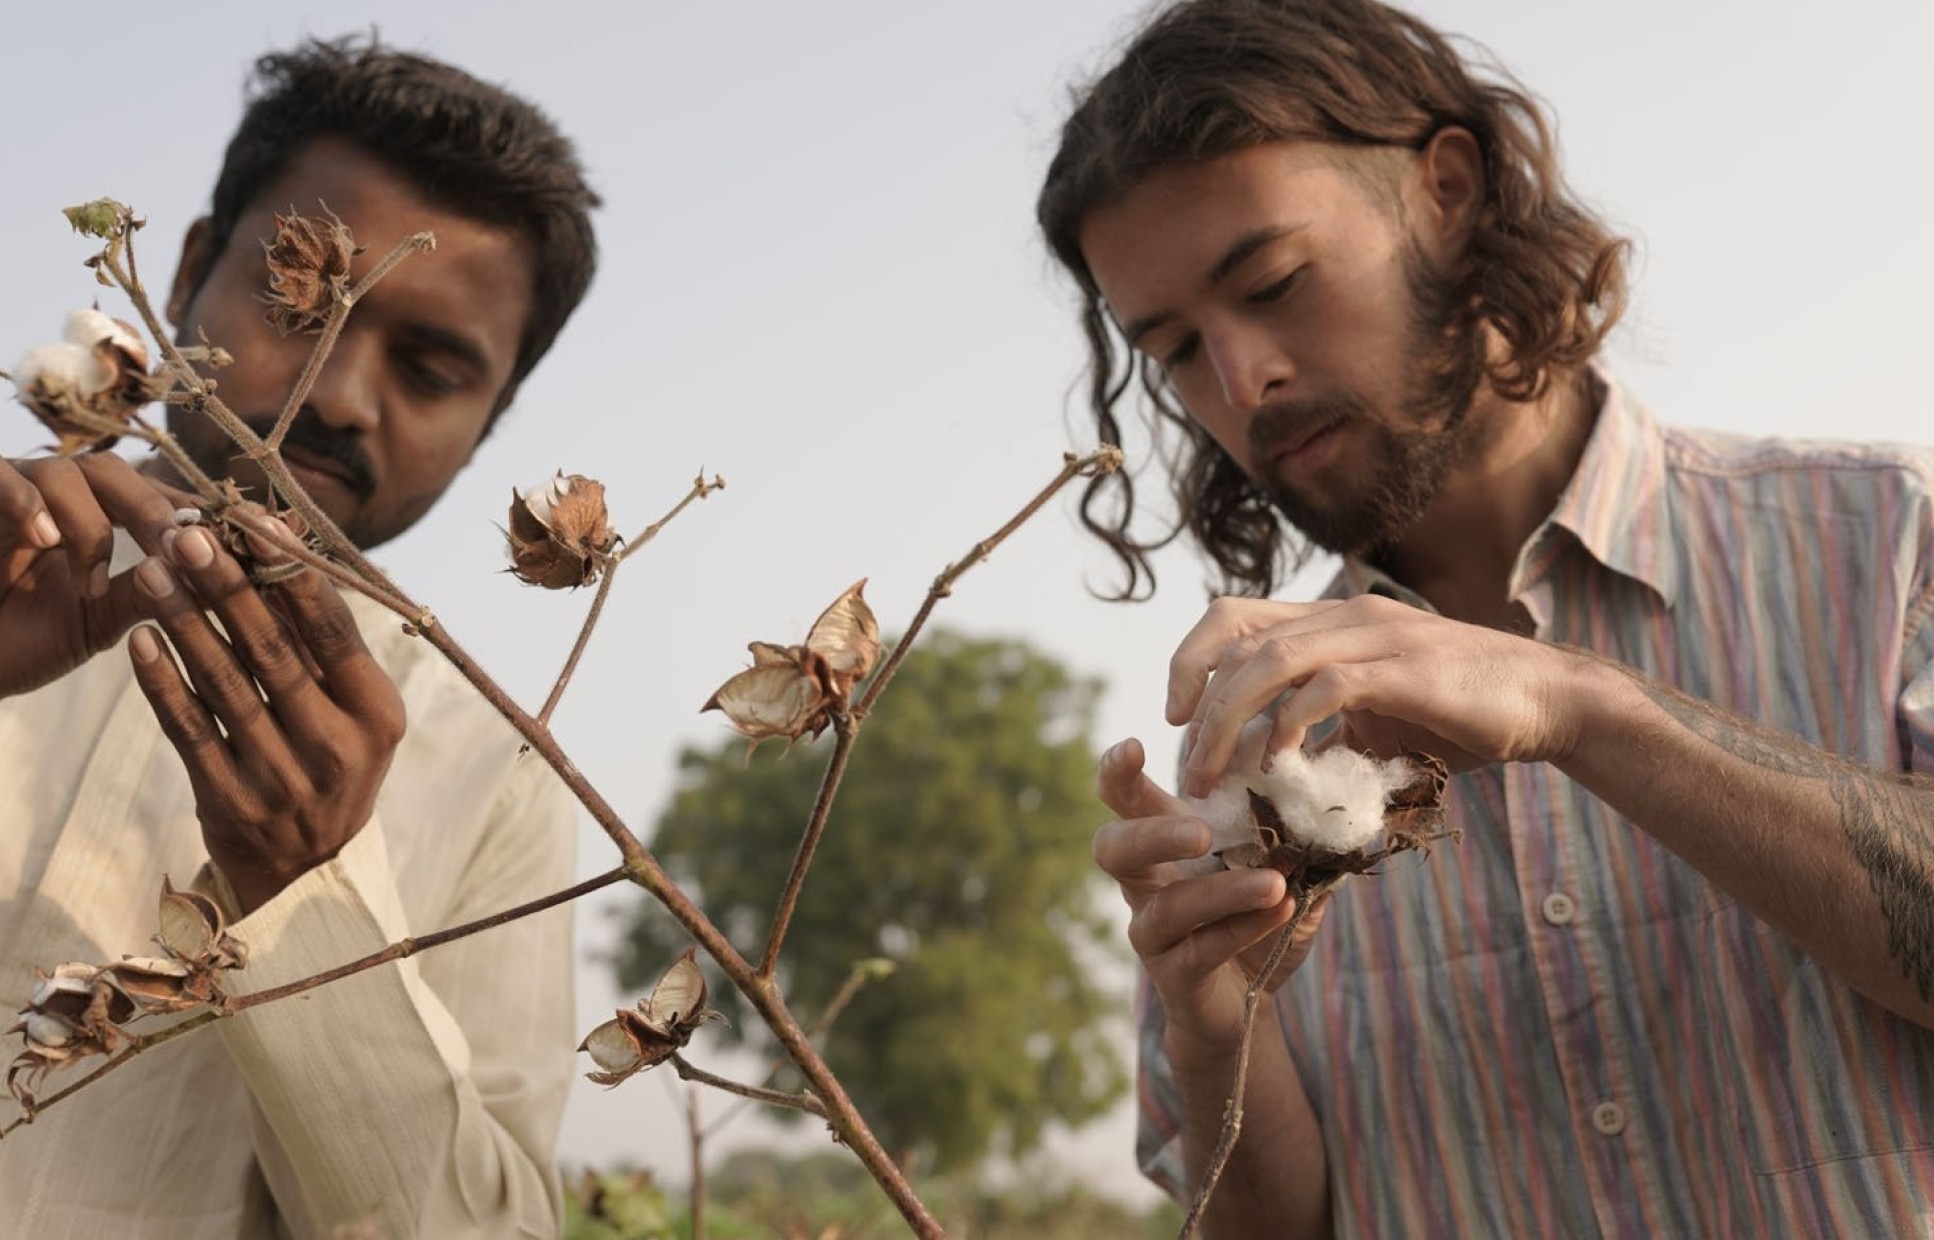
(821, 279)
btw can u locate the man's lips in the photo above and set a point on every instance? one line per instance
(1301, 447)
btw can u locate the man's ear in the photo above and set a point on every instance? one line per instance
(1449, 188)
(197, 256)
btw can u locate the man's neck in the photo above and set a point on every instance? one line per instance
(1460, 553)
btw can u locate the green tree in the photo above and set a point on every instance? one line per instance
(958, 847)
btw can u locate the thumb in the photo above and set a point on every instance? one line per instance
(1126, 788)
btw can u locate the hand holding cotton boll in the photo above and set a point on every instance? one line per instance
(1317, 816)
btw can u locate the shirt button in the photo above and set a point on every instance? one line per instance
(1559, 909)
(1609, 1118)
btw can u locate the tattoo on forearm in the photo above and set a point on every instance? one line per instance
(1887, 817)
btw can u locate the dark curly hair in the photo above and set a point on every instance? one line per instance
(1210, 77)
(467, 146)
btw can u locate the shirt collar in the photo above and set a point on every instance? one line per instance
(1615, 507)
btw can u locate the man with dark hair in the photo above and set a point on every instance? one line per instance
(1678, 976)
(272, 770)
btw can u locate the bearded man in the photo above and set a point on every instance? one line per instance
(1678, 977)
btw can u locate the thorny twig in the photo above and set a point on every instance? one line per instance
(846, 724)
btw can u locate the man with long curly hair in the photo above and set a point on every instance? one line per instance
(1678, 977)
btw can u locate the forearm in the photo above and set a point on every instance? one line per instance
(1275, 1185)
(1836, 856)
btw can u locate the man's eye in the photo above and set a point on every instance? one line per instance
(1275, 291)
(1181, 353)
(428, 378)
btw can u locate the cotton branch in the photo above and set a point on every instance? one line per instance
(339, 309)
(1252, 999)
(700, 489)
(640, 867)
(847, 724)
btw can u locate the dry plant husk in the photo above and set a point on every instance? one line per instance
(560, 534)
(661, 1023)
(792, 691)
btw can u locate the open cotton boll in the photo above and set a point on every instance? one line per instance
(1329, 802)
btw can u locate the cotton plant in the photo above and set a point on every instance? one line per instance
(88, 388)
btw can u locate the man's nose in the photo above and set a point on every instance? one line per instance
(348, 392)
(1252, 368)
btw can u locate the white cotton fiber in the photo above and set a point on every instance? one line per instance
(1332, 801)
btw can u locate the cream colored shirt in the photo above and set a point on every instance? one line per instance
(423, 1098)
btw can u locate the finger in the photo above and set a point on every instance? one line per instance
(269, 653)
(24, 519)
(353, 677)
(1333, 690)
(85, 532)
(130, 500)
(1124, 786)
(183, 719)
(1280, 661)
(1191, 905)
(1132, 850)
(226, 689)
(1203, 650)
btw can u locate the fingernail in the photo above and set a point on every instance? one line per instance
(46, 533)
(155, 577)
(146, 648)
(1260, 889)
(97, 582)
(194, 548)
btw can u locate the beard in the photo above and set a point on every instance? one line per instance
(1412, 453)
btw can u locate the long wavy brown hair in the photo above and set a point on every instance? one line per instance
(1210, 77)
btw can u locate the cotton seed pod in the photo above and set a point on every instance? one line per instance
(1314, 816)
(663, 1021)
(560, 533)
(308, 262)
(154, 986)
(791, 691)
(193, 931)
(88, 385)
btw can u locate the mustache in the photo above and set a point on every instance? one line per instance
(1291, 421)
(315, 438)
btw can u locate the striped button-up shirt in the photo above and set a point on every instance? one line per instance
(1557, 1027)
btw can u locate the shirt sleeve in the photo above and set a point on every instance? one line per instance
(1914, 712)
(1158, 1103)
(422, 1097)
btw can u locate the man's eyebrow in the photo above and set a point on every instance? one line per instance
(1232, 258)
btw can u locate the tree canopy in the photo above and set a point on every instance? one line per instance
(959, 848)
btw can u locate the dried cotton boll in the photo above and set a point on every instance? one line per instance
(560, 533)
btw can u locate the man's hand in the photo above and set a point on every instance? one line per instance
(287, 730)
(58, 605)
(1201, 938)
(1397, 675)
